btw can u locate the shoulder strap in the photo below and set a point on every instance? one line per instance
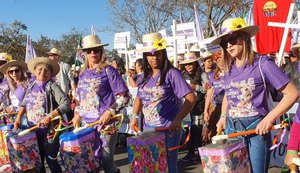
(261, 72)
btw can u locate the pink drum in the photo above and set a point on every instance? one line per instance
(77, 150)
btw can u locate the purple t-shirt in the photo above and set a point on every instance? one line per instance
(217, 85)
(10, 97)
(96, 92)
(35, 103)
(162, 103)
(244, 87)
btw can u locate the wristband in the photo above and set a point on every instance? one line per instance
(291, 152)
(223, 115)
(133, 116)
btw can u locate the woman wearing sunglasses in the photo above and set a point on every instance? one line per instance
(101, 93)
(247, 76)
(13, 89)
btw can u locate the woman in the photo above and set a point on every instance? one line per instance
(43, 101)
(214, 97)
(159, 94)
(13, 88)
(208, 64)
(245, 102)
(101, 93)
(198, 81)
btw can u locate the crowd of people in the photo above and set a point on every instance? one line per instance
(225, 90)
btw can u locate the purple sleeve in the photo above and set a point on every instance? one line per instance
(272, 73)
(116, 82)
(179, 84)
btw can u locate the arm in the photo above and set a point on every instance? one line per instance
(137, 108)
(293, 144)
(222, 122)
(208, 102)
(20, 114)
(290, 96)
(189, 102)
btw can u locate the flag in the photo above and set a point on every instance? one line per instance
(199, 32)
(269, 38)
(30, 52)
(93, 31)
(80, 58)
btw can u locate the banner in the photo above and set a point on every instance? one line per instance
(269, 38)
(121, 40)
(30, 52)
(80, 58)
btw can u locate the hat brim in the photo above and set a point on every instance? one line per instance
(251, 30)
(21, 64)
(33, 62)
(147, 49)
(93, 46)
(189, 61)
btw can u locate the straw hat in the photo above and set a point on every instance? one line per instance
(195, 48)
(34, 61)
(232, 25)
(153, 42)
(18, 63)
(206, 55)
(54, 51)
(5, 56)
(131, 66)
(295, 49)
(189, 58)
(91, 41)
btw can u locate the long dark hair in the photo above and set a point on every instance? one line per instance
(164, 68)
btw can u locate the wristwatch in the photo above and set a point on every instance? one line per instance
(112, 111)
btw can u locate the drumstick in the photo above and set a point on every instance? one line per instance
(232, 135)
(76, 130)
(35, 127)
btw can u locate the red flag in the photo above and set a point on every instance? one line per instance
(269, 38)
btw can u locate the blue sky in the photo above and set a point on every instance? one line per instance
(53, 18)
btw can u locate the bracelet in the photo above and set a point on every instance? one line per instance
(223, 115)
(49, 115)
(291, 152)
(133, 116)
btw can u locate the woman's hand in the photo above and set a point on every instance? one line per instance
(45, 121)
(175, 126)
(17, 123)
(264, 126)
(133, 123)
(221, 123)
(288, 158)
(76, 120)
(104, 119)
(206, 116)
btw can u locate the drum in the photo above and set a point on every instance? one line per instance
(77, 150)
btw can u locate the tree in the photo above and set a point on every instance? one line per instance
(145, 16)
(13, 39)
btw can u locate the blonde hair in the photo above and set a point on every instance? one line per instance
(12, 84)
(248, 54)
(101, 65)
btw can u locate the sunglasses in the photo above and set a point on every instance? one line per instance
(14, 70)
(232, 40)
(95, 50)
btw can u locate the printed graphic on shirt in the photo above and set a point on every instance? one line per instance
(89, 99)
(241, 93)
(35, 106)
(153, 96)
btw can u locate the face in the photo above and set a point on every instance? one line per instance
(93, 54)
(220, 63)
(208, 63)
(155, 60)
(233, 44)
(190, 67)
(15, 73)
(54, 57)
(42, 73)
(138, 67)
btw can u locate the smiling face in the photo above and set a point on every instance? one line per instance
(155, 60)
(43, 72)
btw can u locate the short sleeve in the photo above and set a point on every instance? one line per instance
(178, 83)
